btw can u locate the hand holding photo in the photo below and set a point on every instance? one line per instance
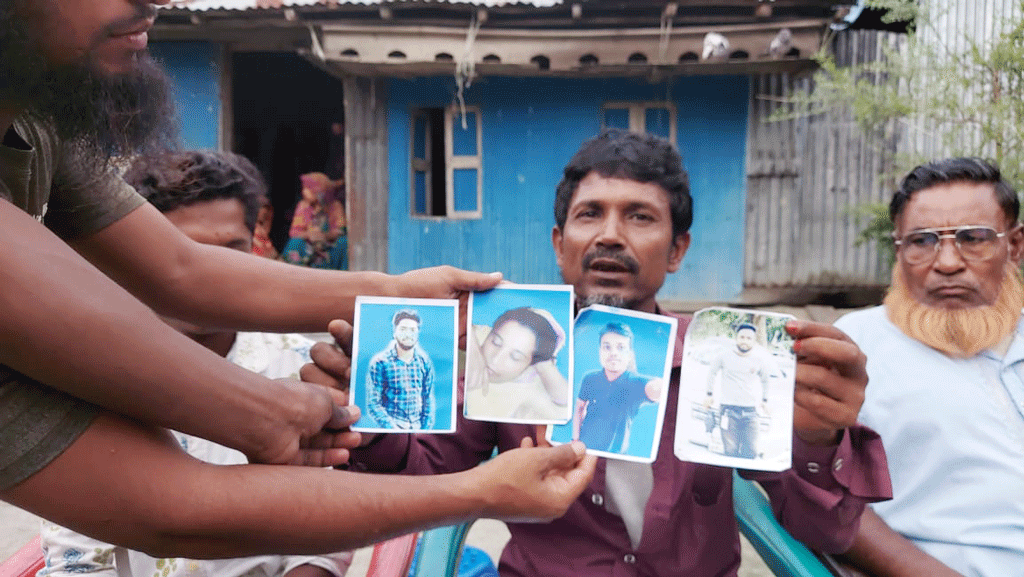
(736, 390)
(623, 361)
(403, 365)
(519, 354)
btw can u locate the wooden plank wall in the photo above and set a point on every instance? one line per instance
(805, 177)
(366, 173)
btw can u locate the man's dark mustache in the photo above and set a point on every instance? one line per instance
(143, 13)
(625, 260)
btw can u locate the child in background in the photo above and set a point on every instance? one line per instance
(261, 245)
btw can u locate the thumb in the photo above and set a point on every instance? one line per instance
(565, 457)
(342, 417)
(476, 281)
(580, 476)
(342, 333)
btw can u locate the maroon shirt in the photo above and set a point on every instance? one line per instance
(689, 524)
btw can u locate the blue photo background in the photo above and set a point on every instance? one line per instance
(437, 339)
(650, 345)
(489, 305)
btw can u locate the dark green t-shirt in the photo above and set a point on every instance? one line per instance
(37, 423)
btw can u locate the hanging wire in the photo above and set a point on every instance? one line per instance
(667, 16)
(465, 67)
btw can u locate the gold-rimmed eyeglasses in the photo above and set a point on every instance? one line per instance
(974, 242)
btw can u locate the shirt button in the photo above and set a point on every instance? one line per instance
(597, 499)
(629, 558)
(838, 464)
(813, 467)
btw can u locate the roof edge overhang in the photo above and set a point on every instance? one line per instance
(651, 72)
(406, 50)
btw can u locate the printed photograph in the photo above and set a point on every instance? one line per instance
(736, 390)
(623, 361)
(519, 354)
(404, 369)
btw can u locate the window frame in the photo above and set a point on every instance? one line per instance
(424, 165)
(452, 162)
(638, 115)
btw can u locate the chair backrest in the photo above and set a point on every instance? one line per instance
(440, 551)
(25, 561)
(783, 554)
(392, 558)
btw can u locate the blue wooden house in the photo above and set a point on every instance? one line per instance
(459, 116)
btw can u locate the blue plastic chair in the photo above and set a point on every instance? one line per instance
(783, 554)
(440, 550)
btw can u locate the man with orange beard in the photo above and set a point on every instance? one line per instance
(945, 365)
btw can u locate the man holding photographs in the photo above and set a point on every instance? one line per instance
(622, 214)
(610, 398)
(400, 387)
(745, 370)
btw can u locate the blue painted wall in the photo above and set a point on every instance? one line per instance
(195, 69)
(531, 128)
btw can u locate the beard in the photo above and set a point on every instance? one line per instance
(100, 116)
(960, 333)
(628, 263)
(608, 300)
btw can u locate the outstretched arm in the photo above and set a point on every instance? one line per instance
(132, 485)
(653, 389)
(882, 552)
(67, 325)
(214, 286)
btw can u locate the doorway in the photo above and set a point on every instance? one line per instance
(289, 119)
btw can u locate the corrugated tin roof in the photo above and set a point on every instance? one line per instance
(204, 5)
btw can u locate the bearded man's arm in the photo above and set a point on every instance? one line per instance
(70, 327)
(219, 287)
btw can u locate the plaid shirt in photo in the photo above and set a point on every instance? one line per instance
(401, 394)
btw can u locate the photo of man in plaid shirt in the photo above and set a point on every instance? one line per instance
(400, 388)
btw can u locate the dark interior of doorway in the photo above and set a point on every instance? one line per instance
(284, 109)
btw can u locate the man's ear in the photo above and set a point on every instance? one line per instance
(678, 251)
(556, 243)
(1015, 239)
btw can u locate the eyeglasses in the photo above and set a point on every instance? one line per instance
(974, 243)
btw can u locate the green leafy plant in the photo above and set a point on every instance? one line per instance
(932, 99)
(878, 228)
